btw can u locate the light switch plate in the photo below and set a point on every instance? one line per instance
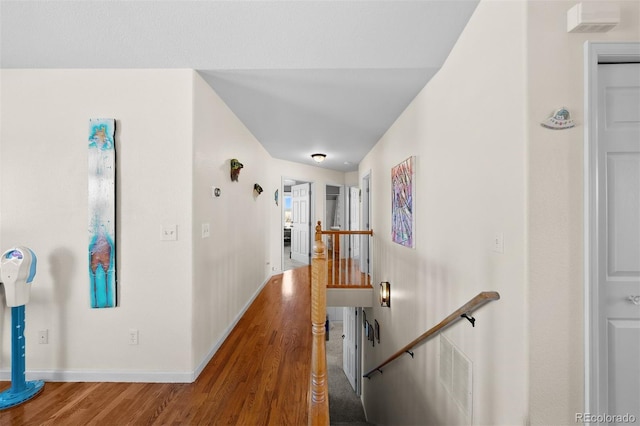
(205, 230)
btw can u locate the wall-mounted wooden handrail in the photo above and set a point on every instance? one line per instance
(467, 308)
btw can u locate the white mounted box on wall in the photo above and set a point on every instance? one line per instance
(592, 17)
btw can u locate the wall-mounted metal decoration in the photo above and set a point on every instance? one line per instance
(559, 120)
(257, 188)
(102, 213)
(235, 169)
(217, 192)
(276, 196)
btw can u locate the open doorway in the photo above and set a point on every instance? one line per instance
(342, 212)
(297, 211)
(345, 405)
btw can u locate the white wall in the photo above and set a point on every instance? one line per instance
(467, 131)
(174, 140)
(474, 118)
(555, 163)
(43, 149)
(351, 179)
(230, 265)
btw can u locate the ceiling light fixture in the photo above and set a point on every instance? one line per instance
(318, 158)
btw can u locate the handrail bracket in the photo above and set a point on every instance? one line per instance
(471, 319)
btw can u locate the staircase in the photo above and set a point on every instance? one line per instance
(348, 286)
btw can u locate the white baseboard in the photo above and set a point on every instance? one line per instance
(137, 376)
(226, 333)
(103, 376)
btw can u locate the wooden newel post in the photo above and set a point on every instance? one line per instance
(319, 398)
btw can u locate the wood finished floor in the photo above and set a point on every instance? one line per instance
(346, 274)
(259, 376)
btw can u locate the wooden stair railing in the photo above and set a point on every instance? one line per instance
(319, 394)
(462, 312)
(343, 271)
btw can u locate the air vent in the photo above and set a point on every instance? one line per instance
(593, 17)
(456, 375)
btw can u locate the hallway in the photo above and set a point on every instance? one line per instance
(260, 375)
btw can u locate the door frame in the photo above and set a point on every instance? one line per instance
(365, 208)
(594, 53)
(312, 213)
(325, 224)
(358, 351)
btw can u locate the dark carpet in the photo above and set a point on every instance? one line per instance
(345, 407)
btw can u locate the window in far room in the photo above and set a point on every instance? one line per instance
(288, 217)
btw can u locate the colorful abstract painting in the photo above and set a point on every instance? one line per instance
(102, 212)
(402, 218)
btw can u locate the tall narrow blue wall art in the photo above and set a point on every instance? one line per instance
(102, 213)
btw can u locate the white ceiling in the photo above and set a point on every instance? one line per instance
(304, 76)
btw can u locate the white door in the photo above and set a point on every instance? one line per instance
(300, 223)
(354, 221)
(349, 345)
(618, 232)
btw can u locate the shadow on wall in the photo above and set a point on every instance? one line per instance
(61, 267)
